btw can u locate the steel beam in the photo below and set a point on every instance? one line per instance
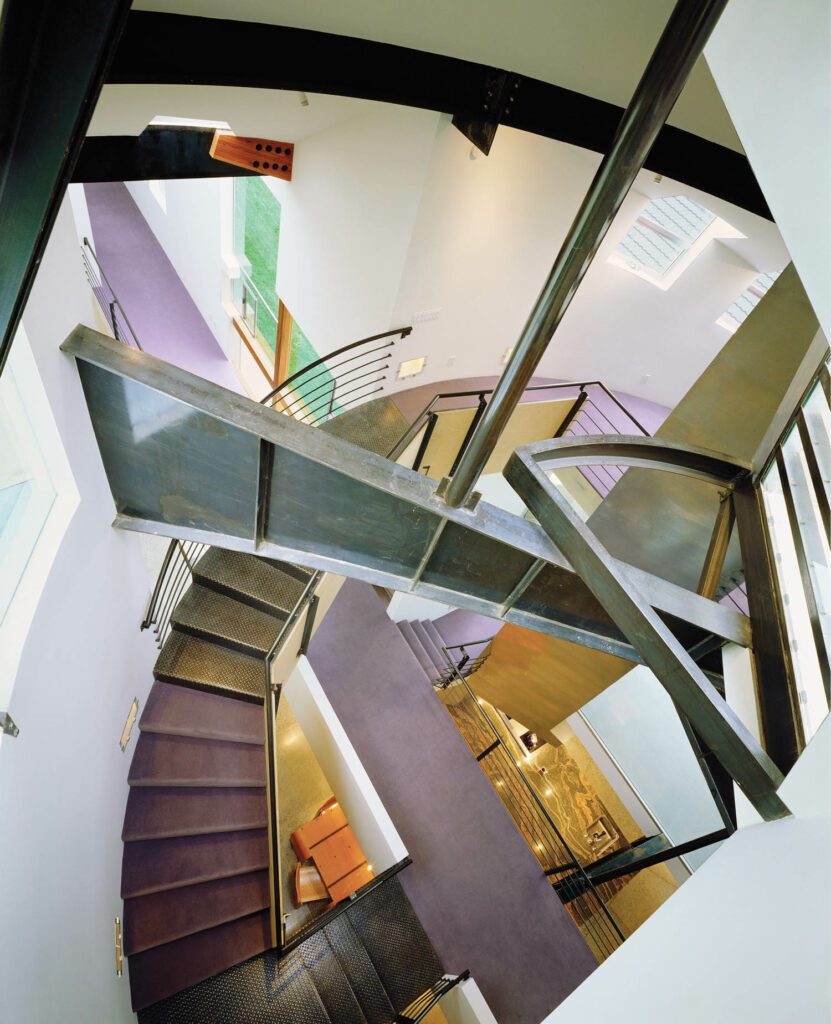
(182, 49)
(54, 55)
(774, 673)
(680, 45)
(509, 533)
(719, 727)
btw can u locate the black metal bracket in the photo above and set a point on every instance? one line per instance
(7, 725)
(501, 88)
(308, 625)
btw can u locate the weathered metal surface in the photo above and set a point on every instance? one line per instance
(719, 727)
(336, 507)
(738, 406)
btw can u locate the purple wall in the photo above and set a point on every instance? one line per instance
(165, 318)
(474, 883)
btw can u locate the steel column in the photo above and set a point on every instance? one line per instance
(717, 551)
(680, 45)
(719, 727)
(54, 56)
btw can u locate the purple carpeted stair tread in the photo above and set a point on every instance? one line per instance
(158, 813)
(158, 865)
(164, 917)
(406, 630)
(184, 761)
(438, 641)
(180, 711)
(164, 970)
(433, 653)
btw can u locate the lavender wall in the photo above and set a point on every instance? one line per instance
(474, 883)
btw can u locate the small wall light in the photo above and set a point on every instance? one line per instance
(411, 367)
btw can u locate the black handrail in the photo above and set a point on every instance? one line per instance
(401, 331)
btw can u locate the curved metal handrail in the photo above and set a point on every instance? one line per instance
(402, 331)
(631, 450)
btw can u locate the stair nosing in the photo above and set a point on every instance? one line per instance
(184, 884)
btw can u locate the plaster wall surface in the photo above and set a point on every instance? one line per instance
(63, 780)
(779, 97)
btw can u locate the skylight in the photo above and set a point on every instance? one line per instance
(665, 230)
(737, 312)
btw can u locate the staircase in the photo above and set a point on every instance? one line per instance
(427, 644)
(364, 967)
(195, 862)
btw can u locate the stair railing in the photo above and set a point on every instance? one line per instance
(570, 880)
(337, 381)
(423, 1004)
(107, 299)
(175, 576)
(587, 415)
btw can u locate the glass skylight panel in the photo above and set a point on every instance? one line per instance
(665, 230)
(737, 312)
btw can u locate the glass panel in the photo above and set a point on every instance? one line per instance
(169, 463)
(316, 509)
(256, 243)
(810, 691)
(26, 490)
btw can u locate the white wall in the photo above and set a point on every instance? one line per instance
(746, 939)
(487, 233)
(637, 724)
(347, 218)
(772, 64)
(192, 233)
(63, 780)
(340, 764)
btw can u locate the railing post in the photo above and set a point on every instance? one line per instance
(680, 45)
(113, 321)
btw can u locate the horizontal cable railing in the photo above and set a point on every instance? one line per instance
(594, 410)
(423, 1004)
(337, 381)
(531, 816)
(106, 298)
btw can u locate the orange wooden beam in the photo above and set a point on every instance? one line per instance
(265, 156)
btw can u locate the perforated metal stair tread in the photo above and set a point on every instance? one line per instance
(247, 578)
(331, 983)
(213, 616)
(174, 710)
(356, 964)
(158, 813)
(194, 662)
(184, 761)
(159, 865)
(159, 918)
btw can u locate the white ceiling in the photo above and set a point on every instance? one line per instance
(596, 47)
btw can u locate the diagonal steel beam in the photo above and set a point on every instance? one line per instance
(716, 723)
(680, 45)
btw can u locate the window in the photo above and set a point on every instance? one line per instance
(737, 312)
(26, 489)
(281, 345)
(666, 237)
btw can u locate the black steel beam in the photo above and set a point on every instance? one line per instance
(54, 56)
(156, 153)
(775, 679)
(659, 858)
(179, 49)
